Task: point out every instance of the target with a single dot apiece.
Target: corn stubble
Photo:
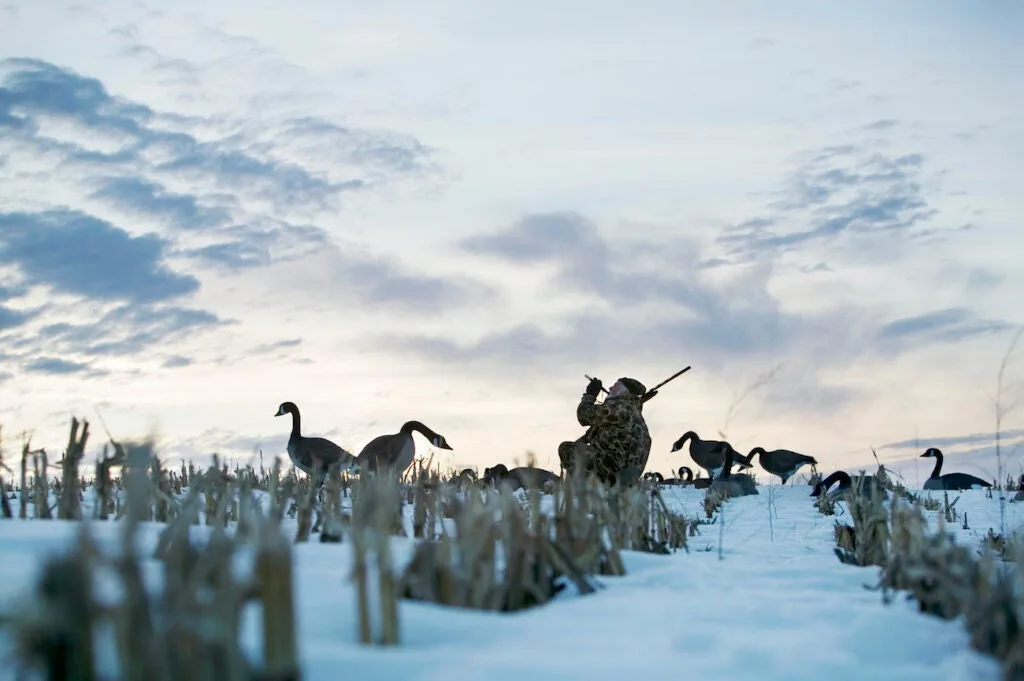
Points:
(946, 580)
(191, 628)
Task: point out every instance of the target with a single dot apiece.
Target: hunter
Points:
(617, 444)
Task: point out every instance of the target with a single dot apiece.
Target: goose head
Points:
(931, 453)
(439, 442)
(495, 473)
(678, 444)
(286, 408)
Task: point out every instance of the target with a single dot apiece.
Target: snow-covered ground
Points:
(776, 605)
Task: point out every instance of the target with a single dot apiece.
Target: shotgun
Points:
(653, 391)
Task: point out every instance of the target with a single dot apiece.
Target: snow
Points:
(777, 604)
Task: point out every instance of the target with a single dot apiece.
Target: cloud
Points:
(955, 440)
(853, 191)
(642, 299)
(380, 282)
(260, 243)
(54, 365)
(10, 318)
(127, 330)
(72, 252)
(739, 315)
(247, 159)
(649, 298)
(947, 325)
(141, 197)
(279, 345)
(379, 151)
(176, 361)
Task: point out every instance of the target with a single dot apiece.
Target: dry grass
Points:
(945, 579)
(485, 549)
(477, 548)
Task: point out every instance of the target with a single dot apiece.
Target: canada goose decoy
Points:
(869, 487)
(312, 455)
(710, 454)
(949, 481)
(730, 484)
(782, 462)
(684, 477)
(521, 477)
(396, 451)
(702, 483)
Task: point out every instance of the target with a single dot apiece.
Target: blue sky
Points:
(450, 212)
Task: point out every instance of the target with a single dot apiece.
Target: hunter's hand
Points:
(594, 387)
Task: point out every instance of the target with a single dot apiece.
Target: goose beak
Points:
(280, 412)
(675, 447)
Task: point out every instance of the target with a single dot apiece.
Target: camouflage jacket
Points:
(617, 431)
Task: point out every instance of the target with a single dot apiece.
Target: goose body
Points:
(949, 481)
(782, 462)
(396, 451)
(730, 484)
(521, 477)
(312, 455)
(869, 488)
(710, 454)
(702, 483)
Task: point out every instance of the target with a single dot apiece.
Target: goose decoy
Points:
(869, 488)
(521, 477)
(312, 455)
(396, 451)
(782, 462)
(949, 481)
(702, 483)
(710, 454)
(684, 477)
(730, 484)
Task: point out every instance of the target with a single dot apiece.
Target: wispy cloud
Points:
(176, 361)
(943, 326)
(55, 365)
(127, 330)
(955, 440)
(136, 195)
(652, 298)
(840, 192)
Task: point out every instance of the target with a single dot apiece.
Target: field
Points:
(655, 583)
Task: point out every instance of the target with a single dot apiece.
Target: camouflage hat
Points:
(634, 386)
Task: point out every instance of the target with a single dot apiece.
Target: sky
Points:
(453, 211)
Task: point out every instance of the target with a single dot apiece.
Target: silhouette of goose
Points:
(949, 481)
(710, 454)
(869, 488)
(312, 455)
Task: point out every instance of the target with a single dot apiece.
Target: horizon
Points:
(451, 213)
